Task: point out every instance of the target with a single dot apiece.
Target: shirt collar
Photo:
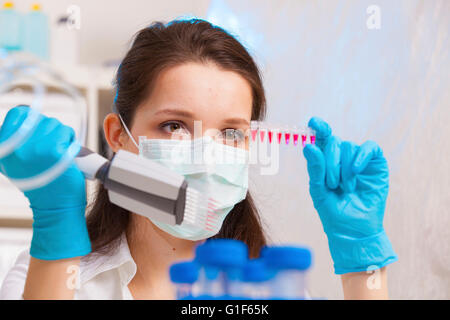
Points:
(120, 259)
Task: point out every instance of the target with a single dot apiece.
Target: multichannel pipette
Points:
(284, 134)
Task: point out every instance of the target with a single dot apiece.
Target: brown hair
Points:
(155, 48)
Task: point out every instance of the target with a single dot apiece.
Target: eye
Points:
(232, 136)
(174, 128)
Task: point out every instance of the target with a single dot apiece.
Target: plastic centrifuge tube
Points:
(289, 266)
(221, 262)
(184, 275)
(270, 133)
(304, 134)
(262, 131)
(279, 135)
(295, 134)
(312, 136)
(253, 129)
(287, 135)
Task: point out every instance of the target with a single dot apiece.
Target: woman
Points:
(172, 76)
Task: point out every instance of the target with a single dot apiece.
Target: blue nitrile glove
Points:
(349, 185)
(59, 227)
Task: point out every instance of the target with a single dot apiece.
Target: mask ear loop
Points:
(128, 131)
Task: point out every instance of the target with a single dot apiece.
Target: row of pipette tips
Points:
(259, 130)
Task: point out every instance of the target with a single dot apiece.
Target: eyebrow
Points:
(176, 112)
(237, 121)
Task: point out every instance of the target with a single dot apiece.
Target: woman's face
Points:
(220, 100)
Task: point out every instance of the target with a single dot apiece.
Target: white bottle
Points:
(36, 33)
(10, 28)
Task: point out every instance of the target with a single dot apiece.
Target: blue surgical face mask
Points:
(216, 170)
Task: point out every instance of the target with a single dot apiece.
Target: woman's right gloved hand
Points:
(59, 226)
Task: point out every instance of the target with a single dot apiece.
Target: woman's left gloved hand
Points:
(349, 186)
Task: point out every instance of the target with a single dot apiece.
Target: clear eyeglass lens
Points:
(231, 137)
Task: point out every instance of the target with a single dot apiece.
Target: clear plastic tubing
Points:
(221, 263)
(289, 265)
(256, 280)
(184, 275)
(14, 70)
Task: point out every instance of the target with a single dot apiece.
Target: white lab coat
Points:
(101, 276)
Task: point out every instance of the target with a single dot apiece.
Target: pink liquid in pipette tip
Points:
(270, 136)
(261, 134)
(279, 134)
(303, 140)
(313, 139)
(254, 134)
(295, 136)
(287, 136)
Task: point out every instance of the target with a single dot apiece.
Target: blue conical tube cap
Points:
(184, 272)
(287, 258)
(222, 253)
